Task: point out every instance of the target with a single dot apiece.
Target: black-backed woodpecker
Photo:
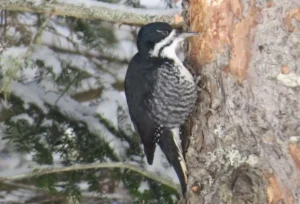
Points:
(160, 93)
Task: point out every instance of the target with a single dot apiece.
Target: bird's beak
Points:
(186, 34)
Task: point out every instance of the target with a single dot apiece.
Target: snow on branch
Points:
(96, 10)
(32, 93)
(42, 171)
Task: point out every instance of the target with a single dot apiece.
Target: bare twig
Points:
(99, 10)
(42, 171)
(88, 54)
(37, 35)
(68, 87)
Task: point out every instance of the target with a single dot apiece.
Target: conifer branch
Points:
(42, 171)
(38, 34)
(98, 10)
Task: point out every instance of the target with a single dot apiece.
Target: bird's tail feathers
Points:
(169, 143)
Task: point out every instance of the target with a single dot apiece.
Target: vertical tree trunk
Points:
(245, 143)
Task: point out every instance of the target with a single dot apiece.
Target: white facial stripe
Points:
(159, 45)
(170, 53)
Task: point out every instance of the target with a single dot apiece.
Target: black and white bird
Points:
(160, 93)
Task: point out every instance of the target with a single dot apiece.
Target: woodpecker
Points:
(160, 93)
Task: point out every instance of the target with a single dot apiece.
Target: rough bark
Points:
(245, 143)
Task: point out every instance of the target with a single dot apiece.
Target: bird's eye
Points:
(164, 32)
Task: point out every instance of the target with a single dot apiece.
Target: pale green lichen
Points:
(290, 79)
(12, 62)
(228, 156)
(218, 130)
(295, 139)
(10, 71)
(253, 160)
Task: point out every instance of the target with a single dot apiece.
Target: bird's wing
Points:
(146, 129)
(138, 87)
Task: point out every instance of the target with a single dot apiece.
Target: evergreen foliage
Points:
(72, 57)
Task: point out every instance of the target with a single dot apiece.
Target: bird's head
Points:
(160, 39)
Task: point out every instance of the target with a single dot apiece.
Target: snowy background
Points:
(62, 103)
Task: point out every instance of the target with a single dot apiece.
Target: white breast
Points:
(169, 52)
(186, 74)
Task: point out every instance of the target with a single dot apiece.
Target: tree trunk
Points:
(245, 143)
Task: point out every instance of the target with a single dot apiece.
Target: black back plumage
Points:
(139, 85)
(160, 96)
